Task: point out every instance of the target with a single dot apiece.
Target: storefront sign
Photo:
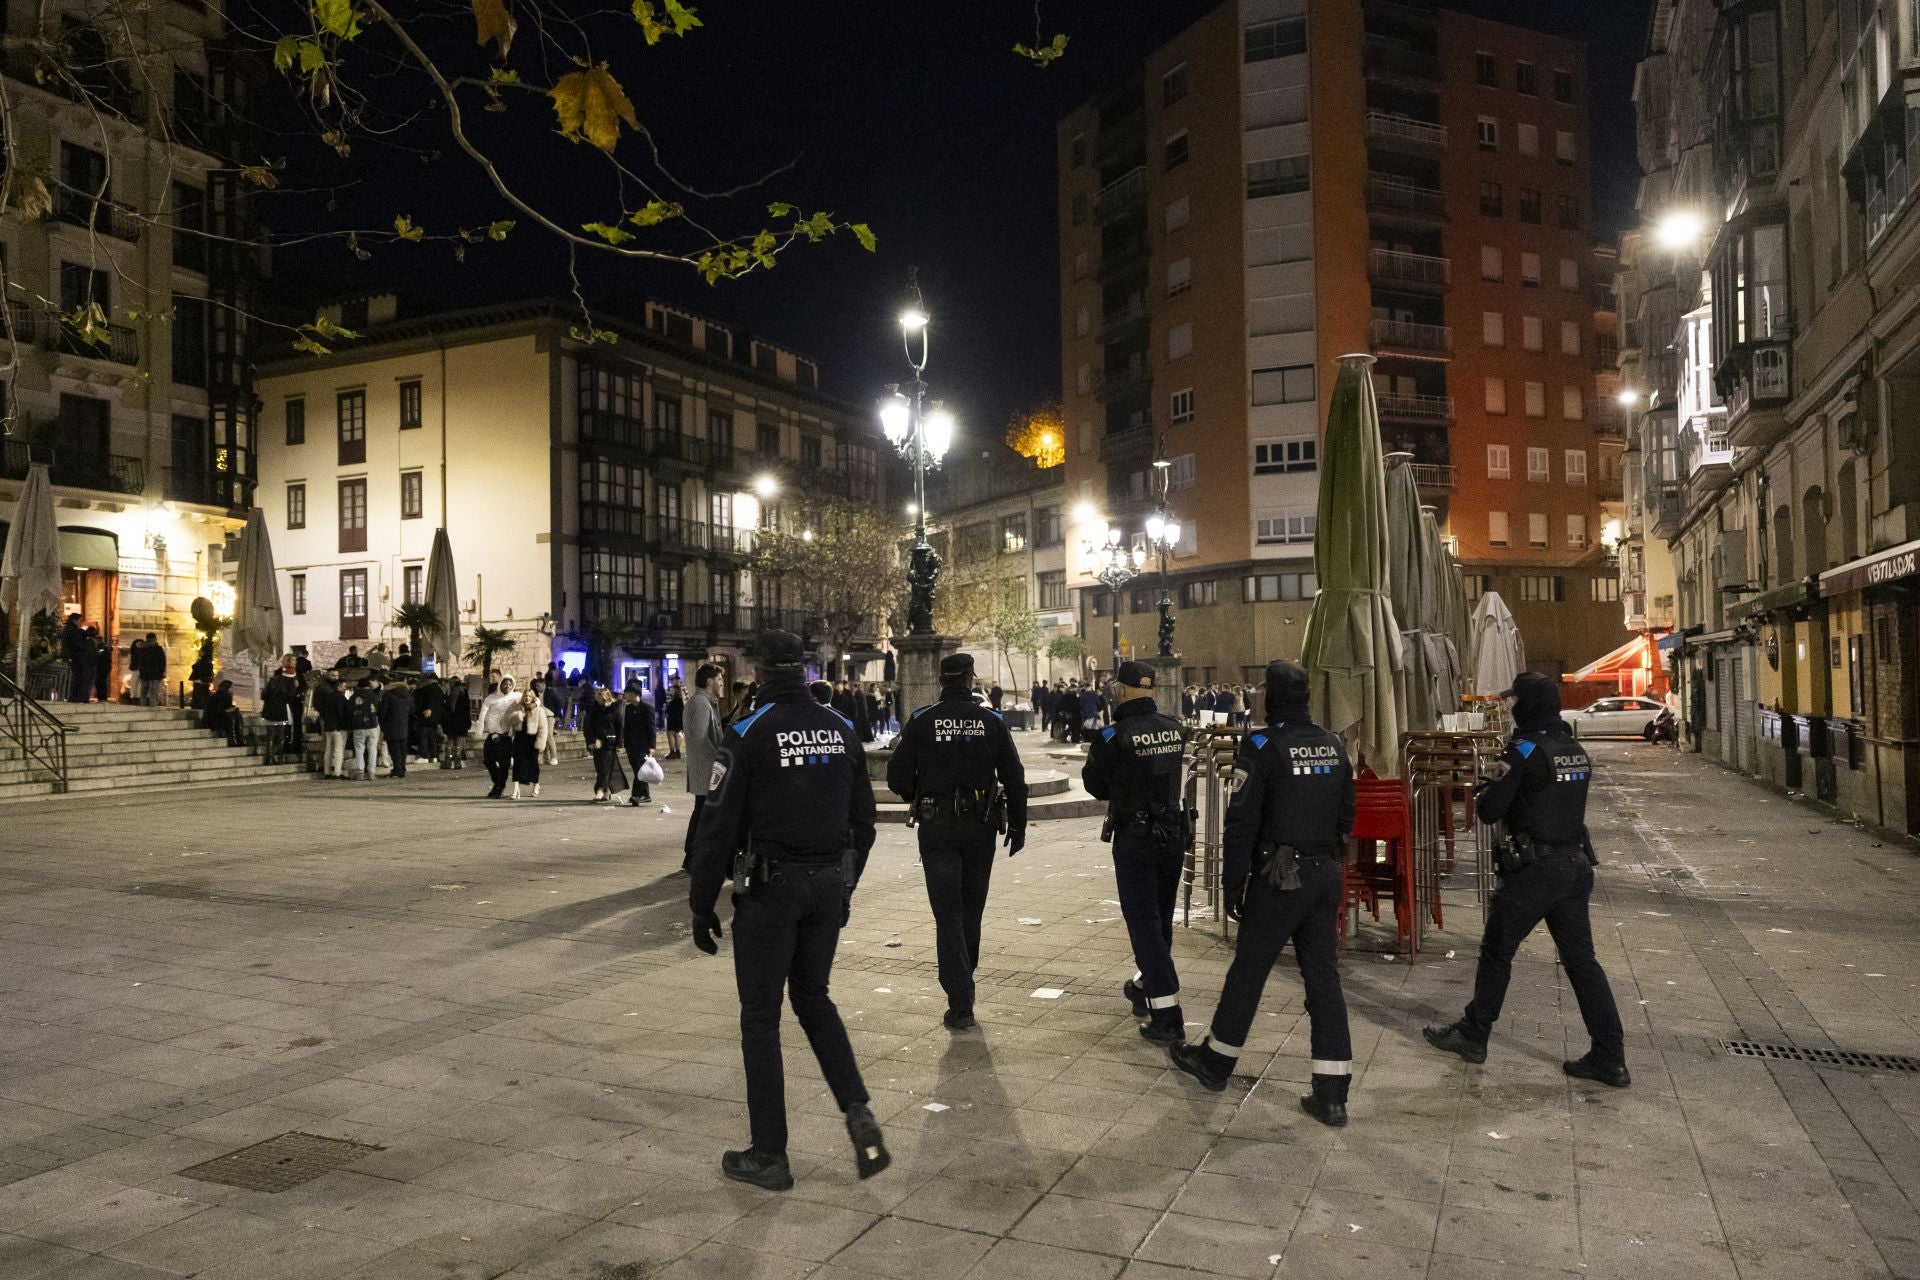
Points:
(1872, 571)
(142, 582)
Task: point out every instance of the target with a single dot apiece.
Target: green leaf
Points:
(312, 56)
(404, 228)
(864, 234)
(304, 343)
(816, 228)
(498, 230)
(779, 208)
(654, 212)
(283, 51)
(327, 328)
(763, 248)
(337, 17)
(1046, 54)
(501, 75)
(608, 232)
(260, 176)
(682, 16)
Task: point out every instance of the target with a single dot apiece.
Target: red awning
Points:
(1631, 656)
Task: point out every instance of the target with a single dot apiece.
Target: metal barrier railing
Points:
(1450, 843)
(40, 735)
(1208, 766)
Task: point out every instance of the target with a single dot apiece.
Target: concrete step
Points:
(233, 777)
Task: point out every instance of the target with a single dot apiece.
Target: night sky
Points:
(913, 117)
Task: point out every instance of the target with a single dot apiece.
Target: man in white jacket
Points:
(498, 735)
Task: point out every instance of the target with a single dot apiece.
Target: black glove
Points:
(1236, 899)
(705, 929)
(1016, 840)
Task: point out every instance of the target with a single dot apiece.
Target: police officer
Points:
(1135, 765)
(956, 765)
(1286, 827)
(1546, 865)
(791, 814)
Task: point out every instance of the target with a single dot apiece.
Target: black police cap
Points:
(778, 649)
(1136, 674)
(956, 666)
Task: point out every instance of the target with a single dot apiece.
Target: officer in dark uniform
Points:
(1135, 765)
(1286, 828)
(790, 814)
(956, 765)
(1546, 872)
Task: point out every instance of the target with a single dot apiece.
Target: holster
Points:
(749, 872)
(1279, 866)
(1106, 830)
(1513, 853)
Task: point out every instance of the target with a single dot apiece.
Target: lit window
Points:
(1496, 528)
(1537, 529)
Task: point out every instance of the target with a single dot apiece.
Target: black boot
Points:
(1211, 1069)
(958, 1020)
(1594, 1067)
(1137, 998)
(1328, 1101)
(769, 1173)
(1455, 1038)
(1165, 1027)
(869, 1149)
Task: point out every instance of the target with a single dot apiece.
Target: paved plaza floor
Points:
(502, 1001)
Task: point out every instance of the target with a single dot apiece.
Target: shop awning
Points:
(1890, 565)
(1798, 594)
(1634, 655)
(86, 549)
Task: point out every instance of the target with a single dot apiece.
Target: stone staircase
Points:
(113, 747)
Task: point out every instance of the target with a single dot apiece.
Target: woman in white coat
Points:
(531, 728)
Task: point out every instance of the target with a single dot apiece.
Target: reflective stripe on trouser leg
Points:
(1224, 1050)
(1164, 1002)
(1324, 1068)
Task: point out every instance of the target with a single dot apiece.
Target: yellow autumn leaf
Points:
(591, 104)
(493, 24)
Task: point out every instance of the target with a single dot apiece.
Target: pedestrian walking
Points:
(1546, 866)
(1286, 828)
(152, 670)
(1134, 764)
(638, 737)
(704, 735)
(675, 717)
(430, 715)
(396, 723)
(601, 728)
(956, 766)
(529, 728)
(553, 697)
(336, 726)
(363, 717)
(277, 703)
(459, 724)
(496, 737)
(790, 794)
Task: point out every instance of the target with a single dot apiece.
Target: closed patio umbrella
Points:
(30, 566)
(1406, 591)
(1497, 652)
(257, 621)
(444, 600)
(1352, 650)
(1438, 605)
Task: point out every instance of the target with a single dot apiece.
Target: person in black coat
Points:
(396, 722)
(430, 714)
(638, 736)
(78, 649)
(278, 705)
(459, 724)
(220, 716)
(601, 726)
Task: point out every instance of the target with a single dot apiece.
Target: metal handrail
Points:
(40, 735)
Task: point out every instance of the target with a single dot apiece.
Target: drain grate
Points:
(281, 1163)
(1821, 1057)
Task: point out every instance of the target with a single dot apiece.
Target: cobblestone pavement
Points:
(503, 1000)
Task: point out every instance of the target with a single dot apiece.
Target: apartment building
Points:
(1784, 479)
(577, 481)
(145, 416)
(1211, 274)
(999, 522)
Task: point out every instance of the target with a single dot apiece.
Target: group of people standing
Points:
(1069, 710)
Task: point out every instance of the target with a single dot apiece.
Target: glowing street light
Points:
(1628, 397)
(1679, 229)
(766, 485)
(1113, 565)
(1163, 535)
(923, 438)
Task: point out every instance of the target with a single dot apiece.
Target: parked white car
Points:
(1614, 718)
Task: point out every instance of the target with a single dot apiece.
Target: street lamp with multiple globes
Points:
(1163, 535)
(923, 438)
(1110, 562)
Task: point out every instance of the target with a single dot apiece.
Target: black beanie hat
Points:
(956, 668)
(1287, 687)
(1536, 701)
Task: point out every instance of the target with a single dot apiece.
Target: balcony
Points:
(1401, 196)
(16, 456)
(1128, 256)
(1406, 337)
(80, 209)
(1125, 194)
(677, 446)
(1115, 384)
(1431, 477)
(1429, 409)
(1123, 321)
(1132, 440)
(1609, 421)
(673, 533)
(726, 541)
(1396, 60)
(1408, 270)
(1384, 126)
(1667, 504)
(114, 473)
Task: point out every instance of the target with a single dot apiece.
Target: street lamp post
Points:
(1163, 535)
(922, 436)
(1113, 565)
